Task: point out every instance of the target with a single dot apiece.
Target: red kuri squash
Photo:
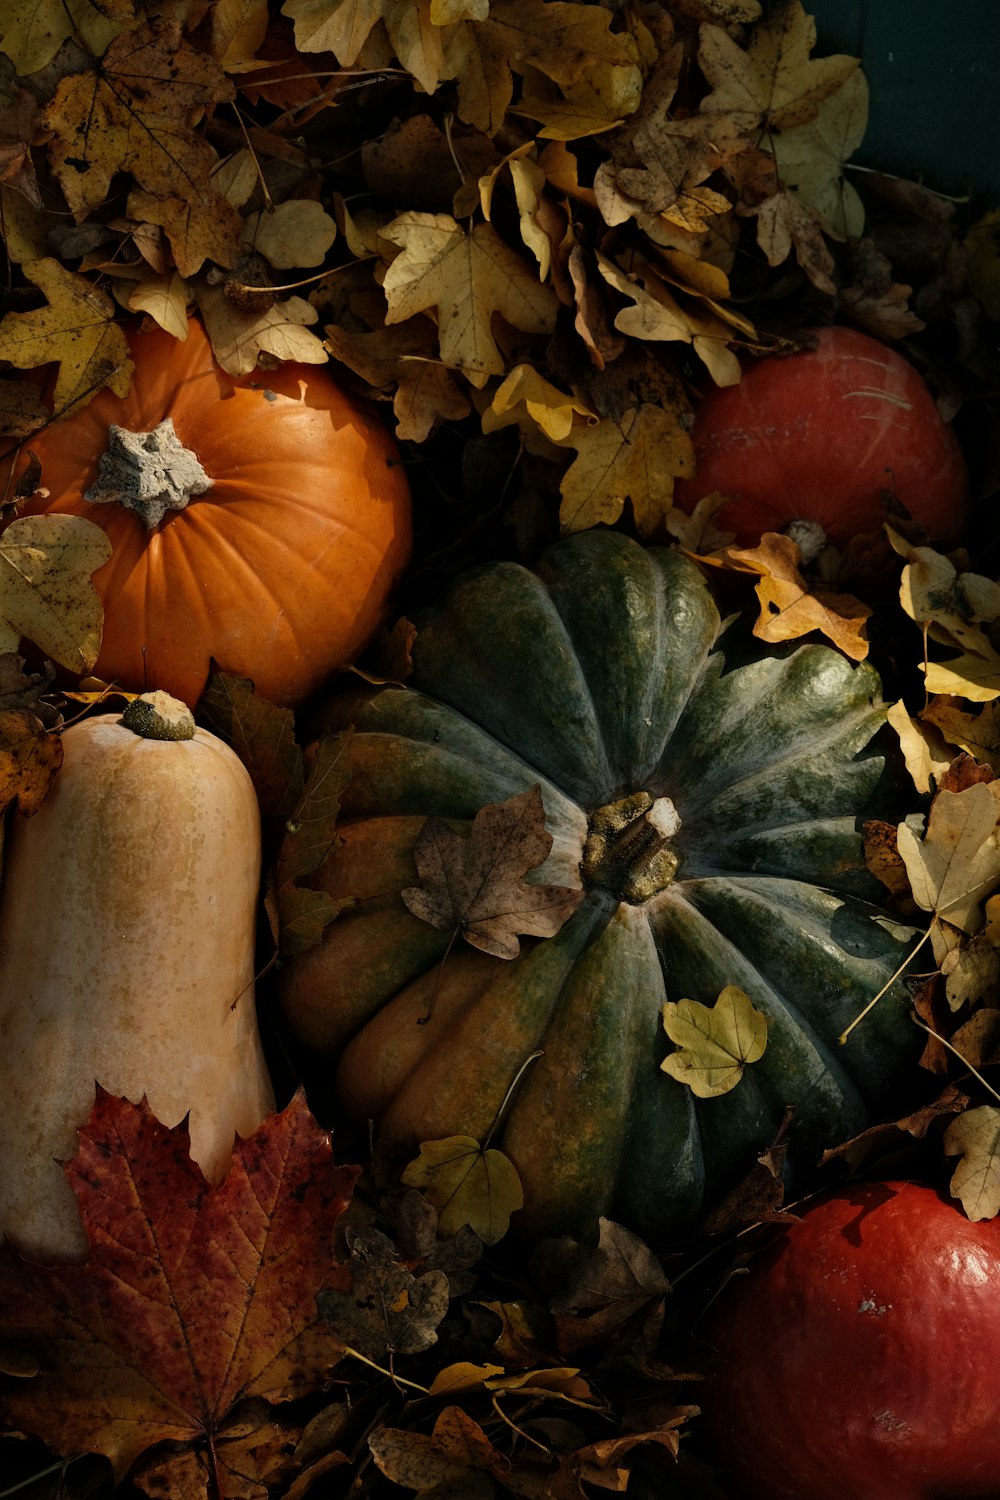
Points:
(861, 1354)
(828, 435)
(271, 545)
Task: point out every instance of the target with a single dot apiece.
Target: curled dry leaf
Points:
(789, 609)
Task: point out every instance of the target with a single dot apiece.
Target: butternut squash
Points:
(127, 957)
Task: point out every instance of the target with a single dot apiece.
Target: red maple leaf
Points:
(193, 1298)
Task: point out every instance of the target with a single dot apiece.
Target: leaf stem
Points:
(887, 986)
(390, 1374)
(961, 1057)
(504, 1103)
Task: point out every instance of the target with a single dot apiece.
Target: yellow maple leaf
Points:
(467, 1184)
(601, 99)
(338, 26)
(238, 339)
(954, 608)
(46, 596)
(811, 157)
(957, 861)
(784, 224)
(74, 328)
(714, 1042)
(236, 32)
(774, 81)
(198, 229)
(135, 112)
(562, 41)
(165, 299)
(975, 1137)
(544, 405)
(34, 32)
(467, 277)
(403, 359)
(978, 734)
(656, 315)
(636, 458)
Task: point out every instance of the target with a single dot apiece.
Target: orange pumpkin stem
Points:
(148, 473)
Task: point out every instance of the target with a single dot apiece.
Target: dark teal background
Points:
(934, 71)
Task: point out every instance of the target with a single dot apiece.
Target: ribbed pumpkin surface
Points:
(600, 675)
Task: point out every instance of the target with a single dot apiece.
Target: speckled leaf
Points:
(193, 1298)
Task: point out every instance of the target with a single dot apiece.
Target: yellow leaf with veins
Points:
(975, 1137)
(774, 80)
(467, 1184)
(76, 329)
(467, 278)
(635, 458)
(957, 862)
(714, 1042)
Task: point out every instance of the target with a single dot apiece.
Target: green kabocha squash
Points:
(602, 675)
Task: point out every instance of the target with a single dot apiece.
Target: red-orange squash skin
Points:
(281, 571)
(861, 1355)
(827, 435)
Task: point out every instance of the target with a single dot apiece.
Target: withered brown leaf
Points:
(476, 883)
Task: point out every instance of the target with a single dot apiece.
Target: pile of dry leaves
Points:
(537, 231)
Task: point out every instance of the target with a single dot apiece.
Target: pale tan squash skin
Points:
(126, 956)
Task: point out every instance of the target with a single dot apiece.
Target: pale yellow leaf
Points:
(957, 862)
(338, 26)
(978, 734)
(297, 232)
(774, 80)
(238, 339)
(975, 1137)
(416, 40)
(970, 971)
(238, 29)
(975, 677)
(467, 278)
(924, 751)
(598, 101)
(714, 1042)
(547, 407)
(46, 594)
(236, 177)
(165, 299)
(811, 157)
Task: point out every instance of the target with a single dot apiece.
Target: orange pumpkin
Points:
(277, 562)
